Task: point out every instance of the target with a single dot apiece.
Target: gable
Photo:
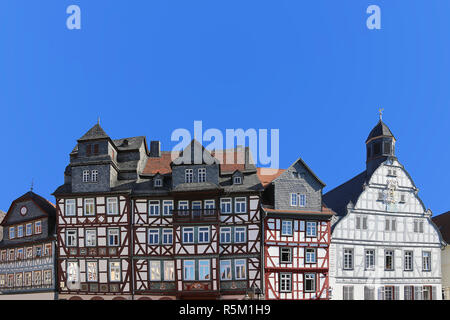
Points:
(23, 211)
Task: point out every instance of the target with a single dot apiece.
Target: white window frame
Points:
(426, 261)
(348, 259)
(118, 271)
(155, 270)
(204, 265)
(91, 267)
(188, 176)
(369, 259)
(30, 225)
(167, 232)
(90, 241)
(201, 175)
(226, 203)
(12, 232)
(73, 271)
(94, 175)
(155, 235)
(285, 282)
(289, 251)
(225, 265)
(237, 180)
(310, 255)
(70, 208)
(311, 229)
(167, 207)
(112, 206)
(240, 205)
(86, 175)
(240, 264)
(225, 232)
(188, 230)
(89, 203)
(238, 232)
(204, 231)
(189, 265)
(157, 183)
(302, 200)
(154, 208)
(291, 228)
(72, 233)
(38, 227)
(115, 233)
(294, 200)
(386, 255)
(310, 277)
(169, 269)
(408, 260)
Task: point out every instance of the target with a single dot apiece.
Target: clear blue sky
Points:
(309, 68)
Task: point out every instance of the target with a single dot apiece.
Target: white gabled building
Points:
(384, 245)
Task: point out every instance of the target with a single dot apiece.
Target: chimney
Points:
(155, 149)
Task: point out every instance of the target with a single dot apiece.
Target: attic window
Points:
(295, 174)
(237, 180)
(158, 182)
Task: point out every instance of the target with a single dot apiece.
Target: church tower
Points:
(380, 145)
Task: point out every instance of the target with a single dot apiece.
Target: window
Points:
(188, 235)
(113, 237)
(47, 249)
(285, 282)
(237, 180)
(188, 176)
(169, 271)
(348, 259)
(19, 279)
(389, 293)
(72, 271)
(311, 229)
(71, 238)
(86, 175)
(19, 254)
(389, 260)
(189, 270)
(240, 269)
(286, 227)
(70, 207)
(203, 234)
(167, 207)
(20, 231)
(408, 260)
(167, 236)
(91, 237)
(38, 251)
(225, 205)
(95, 148)
(370, 259)
(158, 182)
(302, 200)
(310, 255)
(204, 270)
(153, 236)
(294, 199)
(112, 206)
(196, 207)
(409, 293)
(183, 205)
(210, 207)
(12, 232)
(11, 255)
(225, 269)
(369, 293)
(295, 174)
(94, 175)
(37, 278)
(30, 253)
(240, 205)
(418, 226)
(348, 292)
(426, 261)
(38, 227)
(89, 207)
(92, 271)
(114, 271)
(155, 270)
(310, 282)
(285, 255)
(364, 219)
(358, 222)
(153, 207)
(427, 293)
(402, 198)
(88, 150)
(202, 175)
(225, 235)
(48, 277)
(240, 234)
(28, 229)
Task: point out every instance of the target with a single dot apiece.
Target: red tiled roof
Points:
(161, 164)
(267, 175)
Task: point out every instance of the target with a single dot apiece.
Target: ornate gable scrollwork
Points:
(391, 195)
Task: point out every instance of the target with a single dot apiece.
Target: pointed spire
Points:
(96, 132)
(32, 184)
(380, 112)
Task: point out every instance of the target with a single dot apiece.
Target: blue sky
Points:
(308, 68)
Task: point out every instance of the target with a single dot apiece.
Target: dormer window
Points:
(158, 182)
(202, 175)
(188, 176)
(295, 174)
(237, 180)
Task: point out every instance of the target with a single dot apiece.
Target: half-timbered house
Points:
(94, 216)
(384, 245)
(196, 225)
(27, 250)
(296, 228)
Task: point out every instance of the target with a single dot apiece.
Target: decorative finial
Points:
(380, 111)
(98, 120)
(32, 182)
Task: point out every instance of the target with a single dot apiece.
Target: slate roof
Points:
(338, 198)
(96, 132)
(442, 221)
(381, 129)
(131, 143)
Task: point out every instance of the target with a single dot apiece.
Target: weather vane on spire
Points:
(98, 120)
(31, 188)
(380, 111)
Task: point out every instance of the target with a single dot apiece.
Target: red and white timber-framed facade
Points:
(94, 217)
(296, 234)
(196, 226)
